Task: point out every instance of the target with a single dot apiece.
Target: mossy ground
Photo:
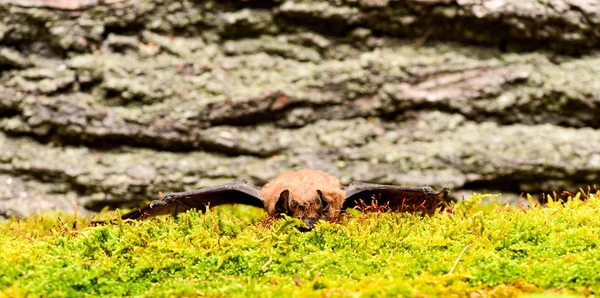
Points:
(477, 250)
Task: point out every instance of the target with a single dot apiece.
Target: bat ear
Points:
(283, 203)
(324, 203)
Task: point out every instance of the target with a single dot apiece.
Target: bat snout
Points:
(310, 224)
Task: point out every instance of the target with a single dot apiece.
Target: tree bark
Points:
(113, 102)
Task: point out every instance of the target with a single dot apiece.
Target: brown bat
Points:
(309, 195)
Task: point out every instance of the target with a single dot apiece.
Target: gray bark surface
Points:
(110, 103)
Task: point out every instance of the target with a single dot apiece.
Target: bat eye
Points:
(324, 204)
(283, 203)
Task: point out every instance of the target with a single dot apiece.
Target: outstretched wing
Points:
(234, 192)
(367, 196)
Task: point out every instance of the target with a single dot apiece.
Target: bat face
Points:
(307, 208)
(306, 194)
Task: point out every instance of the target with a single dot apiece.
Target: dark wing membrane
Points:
(234, 192)
(373, 197)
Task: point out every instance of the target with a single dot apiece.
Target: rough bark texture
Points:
(112, 102)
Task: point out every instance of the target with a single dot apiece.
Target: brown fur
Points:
(304, 200)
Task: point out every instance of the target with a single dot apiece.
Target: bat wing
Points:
(234, 192)
(369, 196)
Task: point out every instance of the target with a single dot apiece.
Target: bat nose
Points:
(310, 224)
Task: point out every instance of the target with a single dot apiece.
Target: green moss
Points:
(235, 251)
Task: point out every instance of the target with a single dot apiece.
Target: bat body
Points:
(309, 195)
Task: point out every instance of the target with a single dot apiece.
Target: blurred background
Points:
(113, 102)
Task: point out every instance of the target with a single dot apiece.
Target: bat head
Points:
(309, 208)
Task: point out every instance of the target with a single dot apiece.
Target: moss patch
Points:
(475, 251)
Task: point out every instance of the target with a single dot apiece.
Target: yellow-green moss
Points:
(477, 250)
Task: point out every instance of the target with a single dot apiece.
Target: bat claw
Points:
(443, 193)
(162, 202)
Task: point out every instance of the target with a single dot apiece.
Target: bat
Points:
(309, 195)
